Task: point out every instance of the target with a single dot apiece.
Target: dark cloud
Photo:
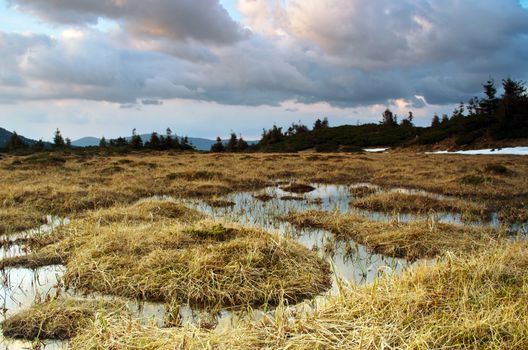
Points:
(204, 20)
(344, 52)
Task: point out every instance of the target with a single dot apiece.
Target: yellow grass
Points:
(476, 302)
(57, 319)
(420, 204)
(84, 183)
(412, 240)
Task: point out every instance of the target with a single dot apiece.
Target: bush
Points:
(473, 180)
(498, 169)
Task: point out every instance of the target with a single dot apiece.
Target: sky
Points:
(208, 67)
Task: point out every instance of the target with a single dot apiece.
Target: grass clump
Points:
(206, 265)
(263, 197)
(463, 302)
(45, 159)
(473, 180)
(416, 203)
(146, 211)
(13, 220)
(298, 188)
(219, 203)
(362, 191)
(412, 240)
(216, 232)
(58, 319)
(497, 169)
(194, 175)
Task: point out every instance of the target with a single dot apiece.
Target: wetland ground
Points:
(240, 251)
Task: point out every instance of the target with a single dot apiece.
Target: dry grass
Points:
(298, 188)
(58, 319)
(122, 252)
(13, 220)
(477, 302)
(412, 240)
(420, 204)
(145, 211)
(76, 184)
(362, 191)
(206, 265)
(263, 197)
(219, 203)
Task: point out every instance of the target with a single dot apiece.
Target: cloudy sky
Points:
(205, 67)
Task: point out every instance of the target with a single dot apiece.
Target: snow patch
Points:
(518, 151)
(375, 150)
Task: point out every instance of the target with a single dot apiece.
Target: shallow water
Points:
(351, 262)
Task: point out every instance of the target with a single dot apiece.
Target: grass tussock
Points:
(206, 264)
(420, 204)
(58, 319)
(219, 203)
(13, 220)
(298, 188)
(476, 302)
(362, 191)
(146, 211)
(263, 197)
(412, 240)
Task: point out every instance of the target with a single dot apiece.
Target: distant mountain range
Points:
(5, 135)
(201, 144)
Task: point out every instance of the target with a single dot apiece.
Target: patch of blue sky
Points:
(232, 9)
(12, 20)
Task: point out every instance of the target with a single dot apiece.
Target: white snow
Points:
(375, 150)
(520, 151)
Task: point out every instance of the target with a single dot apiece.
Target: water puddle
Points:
(351, 262)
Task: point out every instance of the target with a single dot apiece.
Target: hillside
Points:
(5, 135)
(346, 137)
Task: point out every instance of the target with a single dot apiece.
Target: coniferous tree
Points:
(58, 140)
(168, 140)
(242, 145)
(388, 118)
(318, 125)
(435, 123)
(232, 144)
(38, 146)
(489, 104)
(445, 120)
(68, 142)
(274, 135)
(103, 143)
(15, 142)
(135, 141)
(407, 122)
(218, 146)
(154, 142)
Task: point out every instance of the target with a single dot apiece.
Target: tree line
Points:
(135, 142)
(494, 116)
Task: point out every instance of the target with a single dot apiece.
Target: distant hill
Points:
(5, 135)
(345, 137)
(201, 144)
(86, 142)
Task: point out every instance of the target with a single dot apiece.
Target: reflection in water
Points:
(351, 262)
